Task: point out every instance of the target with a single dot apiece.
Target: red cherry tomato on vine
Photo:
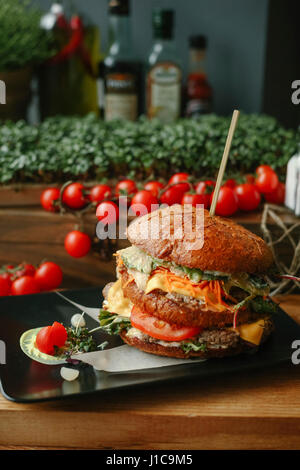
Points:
(205, 188)
(227, 203)
(107, 212)
(231, 183)
(48, 275)
(154, 187)
(26, 269)
(125, 188)
(248, 196)
(174, 194)
(266, 181)
(262, 168)
(277, 196)
(100, 192)
(25, 285)
(181, 178)
(74, 197)
(77, 243)
(5, 285)
(48, 199)
(142, 203)
(194, 199)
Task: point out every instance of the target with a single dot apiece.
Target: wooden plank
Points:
(257, 410)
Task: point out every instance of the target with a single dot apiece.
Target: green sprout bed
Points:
(63, 148)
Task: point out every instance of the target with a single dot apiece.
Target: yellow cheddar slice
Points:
(116, 302)
(159, 281)
(252, 332)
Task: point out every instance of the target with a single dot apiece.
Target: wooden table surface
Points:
(257, 410)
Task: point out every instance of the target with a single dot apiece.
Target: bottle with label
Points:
(122, 72)
(199, 91)
(164, 77)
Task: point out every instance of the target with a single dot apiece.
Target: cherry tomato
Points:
(277, 196)
(48, 275)
(262, 168)
(227, 203)
(248, 196)
(267, 181)
(77, 243)
(59, 334)
(44, 341)
(50, 336)
(194, 199)
(73, 196)
(25, 269)
(174, 194)
(160, 329)
(5, 285)
(154, 187)
(100, 192)
(25, 285)
(231, 183)
(107, 212)
(250, 178)
(48, 199)
(180, 178)
(205, 188)
(126, 188)
(143, 202)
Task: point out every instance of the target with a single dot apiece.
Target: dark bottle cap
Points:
(163, 22)
(198, 42)
(119, 7)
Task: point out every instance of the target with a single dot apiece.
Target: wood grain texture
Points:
(257, 410)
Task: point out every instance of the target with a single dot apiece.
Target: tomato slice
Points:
(160, 329)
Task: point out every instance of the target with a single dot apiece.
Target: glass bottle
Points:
(164, 77)
(122, 71)
(199, 91)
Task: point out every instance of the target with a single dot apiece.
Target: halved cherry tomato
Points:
(154, 187)
(248, 196)
(143, 202)
(59, 334)
(50, 336)
(277, 196)
(44, 341)
(160, 329)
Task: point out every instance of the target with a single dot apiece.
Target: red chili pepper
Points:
(74, 43)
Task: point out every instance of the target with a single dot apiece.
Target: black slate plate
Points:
(24, 380)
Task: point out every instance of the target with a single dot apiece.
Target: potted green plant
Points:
(23, 44)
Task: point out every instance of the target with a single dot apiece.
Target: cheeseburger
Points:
(192, 285)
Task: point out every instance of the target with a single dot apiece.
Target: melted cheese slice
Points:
(116, 302)
(159, 281)
(252, 332)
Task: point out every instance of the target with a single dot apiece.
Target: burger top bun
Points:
(190, 237)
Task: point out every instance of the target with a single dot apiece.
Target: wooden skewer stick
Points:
(232, 127)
